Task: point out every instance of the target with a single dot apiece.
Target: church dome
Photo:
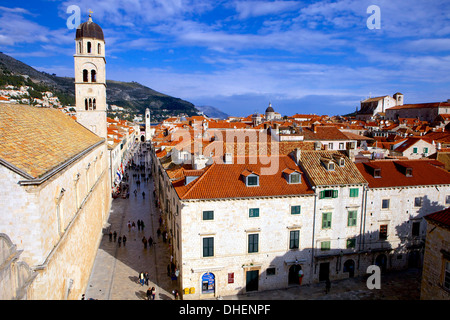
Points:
(89, 29)
(269, 109)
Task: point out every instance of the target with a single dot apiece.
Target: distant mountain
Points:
(212, 112)
(133, 96)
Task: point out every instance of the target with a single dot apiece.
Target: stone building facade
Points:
(436, 266)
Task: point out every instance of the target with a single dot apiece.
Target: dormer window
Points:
(251, 179)
(294, 178)
(409, 172)
(377, 173)
(330, 166)
(341, 162)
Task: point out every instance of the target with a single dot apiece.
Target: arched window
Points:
(99, 49)
(79, 47)
(93, 76)
(85, 104)
(85, 75)
(94, 104)
(89, 47)
(90, 104)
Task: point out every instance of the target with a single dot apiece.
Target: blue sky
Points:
(303, 56)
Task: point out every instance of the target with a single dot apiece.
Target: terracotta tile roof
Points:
(324, 133)
(393, 175)
(311, 163)
(225, 181)
(37, 140)
(441, 218)
(409, 142)
(421, 105)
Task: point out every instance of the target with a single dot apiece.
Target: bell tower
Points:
(147, 125)
(90, 77)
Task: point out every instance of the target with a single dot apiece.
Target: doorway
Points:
(252, 280)
(381, 261)
(349, 266)
(324, 271)
(293, 277)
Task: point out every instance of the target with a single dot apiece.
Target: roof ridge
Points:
(198, 180)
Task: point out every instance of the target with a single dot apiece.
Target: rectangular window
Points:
(208, 215)
(326, 220)
(383, 232)
(351, 221)
(446, 283)
(208, 247)
(425, 150)
(351, 243)
(414, 150)
(270, 271)
(341, 146)
(385, 204)
(354, 192)
(415, 230)
(253, 212)
(296, 209)
(418, 201)
(252, 181)
(325, 245)
(294, 239)
(330, 146)
(327, 194)
(253, 240)
(294, 178)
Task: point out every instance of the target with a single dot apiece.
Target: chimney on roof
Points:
(228, 158)
(199, 161)
(298, 155)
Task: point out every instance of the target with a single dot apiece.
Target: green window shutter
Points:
(253, 243)
(253, 212)
(351, 243)
(208, 215)
(335, 193)
(351, 218)
(325, 245)
(354, 192)
(326, 220)
(208, 247)
(296, 209)
(322, 195)
(294, 239)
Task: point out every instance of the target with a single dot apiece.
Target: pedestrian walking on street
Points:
(110, 236)
(149, 293)
(124, 240)
(142, 225)
(139, 224)
(115, 236)
(129, 225)
(120, 240)
(146, 277)
(150, 241)
(158, 232)
(141, 278)
(153, 293)
(143, 194)
(144, 241)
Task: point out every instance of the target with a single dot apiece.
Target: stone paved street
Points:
(116, 268)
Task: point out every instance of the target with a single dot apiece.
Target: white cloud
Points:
(249, 9)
